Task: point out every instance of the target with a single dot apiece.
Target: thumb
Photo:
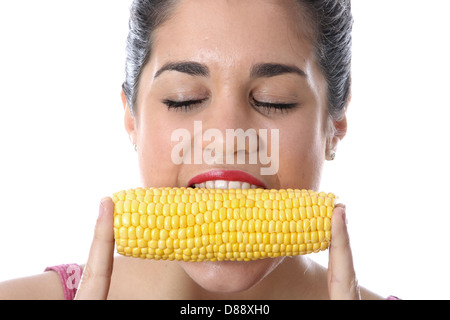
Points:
(96, 277)
(342, 282)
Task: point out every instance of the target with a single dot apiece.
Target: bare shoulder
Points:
(44, 286)
(369, 295)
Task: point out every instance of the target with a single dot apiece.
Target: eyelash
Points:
(190, 104)
(277, 107)
(182, 105)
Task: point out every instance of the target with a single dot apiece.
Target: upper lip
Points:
(228, 175)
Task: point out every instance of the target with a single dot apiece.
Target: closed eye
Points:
(269, 106)
(186, 105)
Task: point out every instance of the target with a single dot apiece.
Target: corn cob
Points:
(218, 224)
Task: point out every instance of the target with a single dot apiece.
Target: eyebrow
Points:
(189, 67)
(261, 70)
(267, 70)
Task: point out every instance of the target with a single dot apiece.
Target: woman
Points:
(279, 65)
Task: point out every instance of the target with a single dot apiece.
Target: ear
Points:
(129, 120)
(338, 131)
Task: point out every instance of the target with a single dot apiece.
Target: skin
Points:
(228, 38)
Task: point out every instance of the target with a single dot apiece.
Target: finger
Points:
(96, 276)
(342, 282)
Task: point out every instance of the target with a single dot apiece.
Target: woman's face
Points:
(231, 65)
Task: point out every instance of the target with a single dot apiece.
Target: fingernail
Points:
(101, 210)
(344, 216)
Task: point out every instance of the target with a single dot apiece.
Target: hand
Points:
(96, 276)
(342, 282)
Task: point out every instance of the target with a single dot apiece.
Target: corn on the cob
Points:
(214, 224)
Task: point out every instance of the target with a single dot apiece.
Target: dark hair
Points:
(145, 17)
(332, 23)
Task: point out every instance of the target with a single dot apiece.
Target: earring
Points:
(331, 155)
(135, 147)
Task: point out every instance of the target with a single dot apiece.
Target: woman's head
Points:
(275, 65)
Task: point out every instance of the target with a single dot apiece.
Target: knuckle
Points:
(354, 288)
(86, 275)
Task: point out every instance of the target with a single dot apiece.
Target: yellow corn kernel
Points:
(207, 224)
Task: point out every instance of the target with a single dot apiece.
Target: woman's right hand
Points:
(96, 277)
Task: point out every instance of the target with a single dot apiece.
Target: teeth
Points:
(223, 184)
(234, 185)
(220, 184)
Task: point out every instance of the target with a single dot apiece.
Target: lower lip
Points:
(228, 175)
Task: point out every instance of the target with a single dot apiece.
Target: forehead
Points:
(234, 31)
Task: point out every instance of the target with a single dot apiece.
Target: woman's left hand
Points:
(342, 282)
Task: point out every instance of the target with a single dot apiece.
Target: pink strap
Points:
(70, 276)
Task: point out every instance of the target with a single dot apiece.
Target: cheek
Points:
(154, 153)
(302, 149)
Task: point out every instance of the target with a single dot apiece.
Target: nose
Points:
(229, 126)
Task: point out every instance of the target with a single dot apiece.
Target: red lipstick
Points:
(228, 175)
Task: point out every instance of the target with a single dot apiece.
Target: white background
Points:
(63, 146)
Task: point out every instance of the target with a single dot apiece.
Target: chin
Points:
(230, 276)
